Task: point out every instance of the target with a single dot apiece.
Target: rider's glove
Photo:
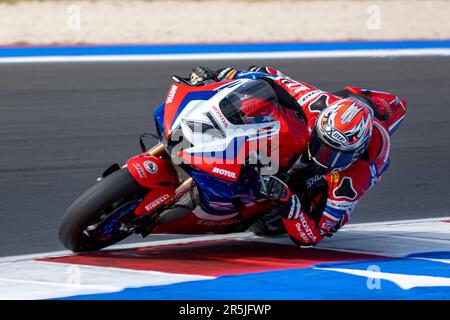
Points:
(329, 228)
(226, 74)
(287, 203)
(275, 189)
(202, 74)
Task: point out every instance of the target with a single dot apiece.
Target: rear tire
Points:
(91, 206)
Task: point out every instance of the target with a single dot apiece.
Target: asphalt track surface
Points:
(61, 124)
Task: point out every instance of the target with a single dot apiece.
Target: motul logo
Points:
(224, 172)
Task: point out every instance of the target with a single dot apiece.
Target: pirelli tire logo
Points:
(223, 172)
(156, 203)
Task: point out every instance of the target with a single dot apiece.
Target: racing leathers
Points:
(316, 203)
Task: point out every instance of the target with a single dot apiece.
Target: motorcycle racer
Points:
(347, 153)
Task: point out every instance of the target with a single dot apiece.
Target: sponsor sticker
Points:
(157, 202)
(301, 233)
(221, 116)
(328, 222)
(150, 166)
(313, 180)
(308, 97)
(171, 94)
(183, 191)
(216, 223)
(336, 135)
(294, 85)
(305, 227)
(140, 171)
(224, 172)
(334, 177)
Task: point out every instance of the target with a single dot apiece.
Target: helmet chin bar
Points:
(330, 160)
(329, 169)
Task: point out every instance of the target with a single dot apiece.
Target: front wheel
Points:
(94, 220)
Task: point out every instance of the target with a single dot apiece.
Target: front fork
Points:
(157, 150)
(151, 170)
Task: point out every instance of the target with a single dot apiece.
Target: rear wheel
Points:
(97, 218)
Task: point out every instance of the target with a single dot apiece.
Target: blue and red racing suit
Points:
(328, 199)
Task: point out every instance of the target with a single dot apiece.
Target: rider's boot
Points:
(269, 223)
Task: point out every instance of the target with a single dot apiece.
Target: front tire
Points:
(97, 206)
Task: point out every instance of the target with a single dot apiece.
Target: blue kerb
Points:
(217, 48)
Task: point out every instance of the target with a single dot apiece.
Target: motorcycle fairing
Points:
(156, 174)
(390, 107)
(158, 115)
(221, 198)
(221, 148)
(225, 158)
(181, 96)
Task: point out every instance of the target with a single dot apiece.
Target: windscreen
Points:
(253, 102)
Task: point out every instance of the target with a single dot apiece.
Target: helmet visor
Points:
(326, 156)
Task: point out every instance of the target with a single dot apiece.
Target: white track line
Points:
(44, 280)
(62, 284)
(240, 236)
(447, 261)
(376, 53)
(407, 221)
(404, 281)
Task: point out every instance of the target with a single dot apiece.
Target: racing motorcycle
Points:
(217, 142)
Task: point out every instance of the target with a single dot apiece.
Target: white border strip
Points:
(368, 224)
(377, 53)
(187, 240)
(240, 236)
